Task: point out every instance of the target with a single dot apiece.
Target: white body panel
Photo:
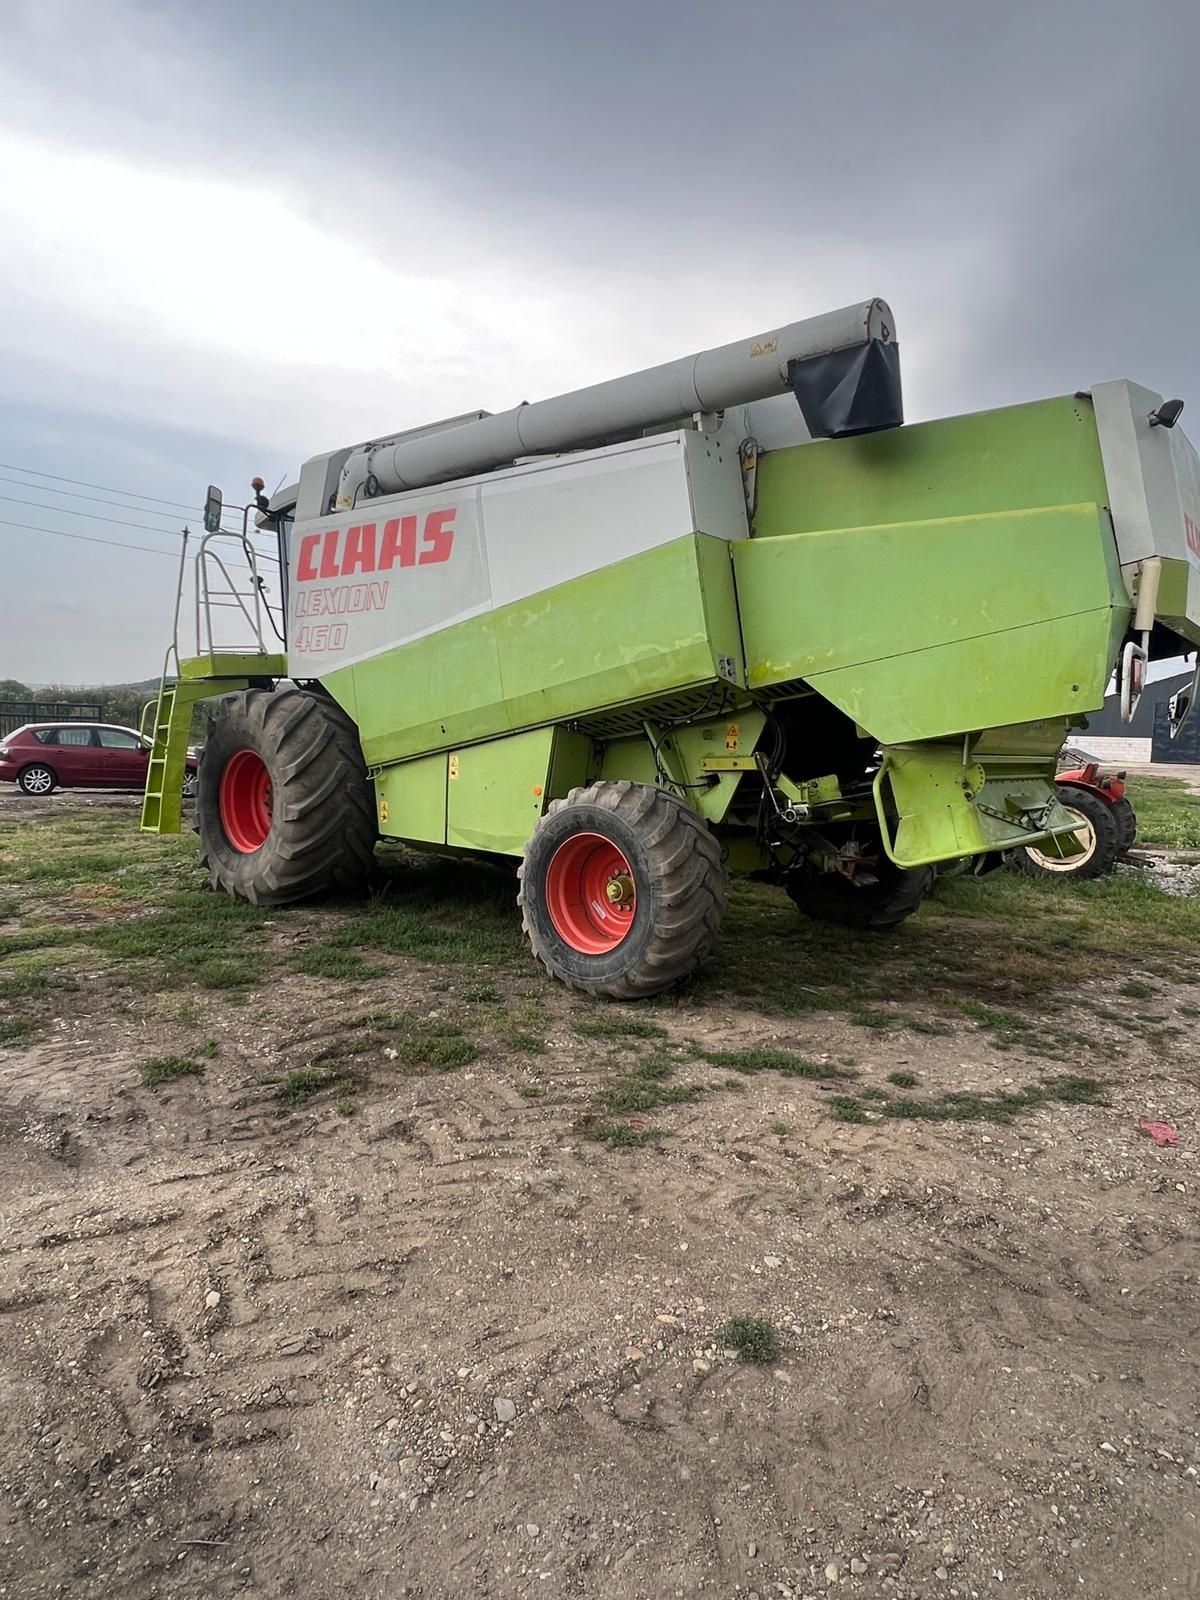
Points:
(1153, 478)
(437, 556)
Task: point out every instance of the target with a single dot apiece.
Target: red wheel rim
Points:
(590, 894)
(244, 799)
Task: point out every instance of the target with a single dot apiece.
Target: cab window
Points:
(119, 739)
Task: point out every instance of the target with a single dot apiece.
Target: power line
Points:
(132, 494)
(90, 498)
(65, 511)
(84, 538)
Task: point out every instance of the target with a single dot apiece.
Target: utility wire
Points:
(93, 500)
(66, 511)
(132, 494)
(84, 538)
(90, 498)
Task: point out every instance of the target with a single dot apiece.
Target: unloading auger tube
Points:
(842, 366)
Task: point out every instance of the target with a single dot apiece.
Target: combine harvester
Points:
(724, 615)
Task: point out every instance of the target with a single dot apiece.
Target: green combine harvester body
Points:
(836, 661)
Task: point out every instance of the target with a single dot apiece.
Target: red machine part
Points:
(1109, 787)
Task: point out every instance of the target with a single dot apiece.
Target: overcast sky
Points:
(235, 234)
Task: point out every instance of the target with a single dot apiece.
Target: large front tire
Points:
(622, 890)
(284, 808)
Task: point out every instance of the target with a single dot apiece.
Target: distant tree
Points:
(11, 689)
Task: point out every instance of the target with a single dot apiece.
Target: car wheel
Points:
(190, 785)
(38, 780)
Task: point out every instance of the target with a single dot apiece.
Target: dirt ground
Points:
(451, 1345)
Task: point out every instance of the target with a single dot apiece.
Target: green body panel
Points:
(646, 627)
(1024, 457)
(485, 797)
(224, 665)
(922, 629)
(410, 800)
(936, 803)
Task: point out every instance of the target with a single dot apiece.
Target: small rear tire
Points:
(1125, 818)
(622, 890)
(870, 907)
(1096, 830)
(38, 780)
(284, 807)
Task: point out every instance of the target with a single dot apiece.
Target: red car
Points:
(44, 756)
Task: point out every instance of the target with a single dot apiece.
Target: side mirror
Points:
(213, 506)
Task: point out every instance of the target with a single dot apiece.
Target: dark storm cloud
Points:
(592, 188)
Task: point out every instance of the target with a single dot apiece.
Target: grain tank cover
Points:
(843, 367)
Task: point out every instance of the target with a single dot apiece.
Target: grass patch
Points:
(15, 1033)
(646, 1085)
(300, 1086)
(782, 1061)
(528, 1091)
(872, 1019)
(751, 1339)
(339, 965)
(437, 1052)
(903, 1080)
(165, 1069)
(423, 1043)
(968, 1105)
(10, 907)
(1003, 942)
(191, 936)
(477, 994)
(1135, 989)
(521, 1029)
(619, 1135)
(780, 1129)
(210, 1050)
(438, 910)
(616, 1025)
(1167, 814)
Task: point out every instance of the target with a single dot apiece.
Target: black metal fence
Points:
(15, 714)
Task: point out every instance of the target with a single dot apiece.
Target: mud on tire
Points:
(284, 809)
(665, 866)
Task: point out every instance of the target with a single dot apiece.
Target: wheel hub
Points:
(591, 894)
(1048, 858)
(244, 800)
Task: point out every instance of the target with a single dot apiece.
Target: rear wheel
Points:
(284, 808)
(1096, 830)
(890, 899)
(621, 890)
(38, 779)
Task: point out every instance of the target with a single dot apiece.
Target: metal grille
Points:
(625, 720)
(15, 714)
